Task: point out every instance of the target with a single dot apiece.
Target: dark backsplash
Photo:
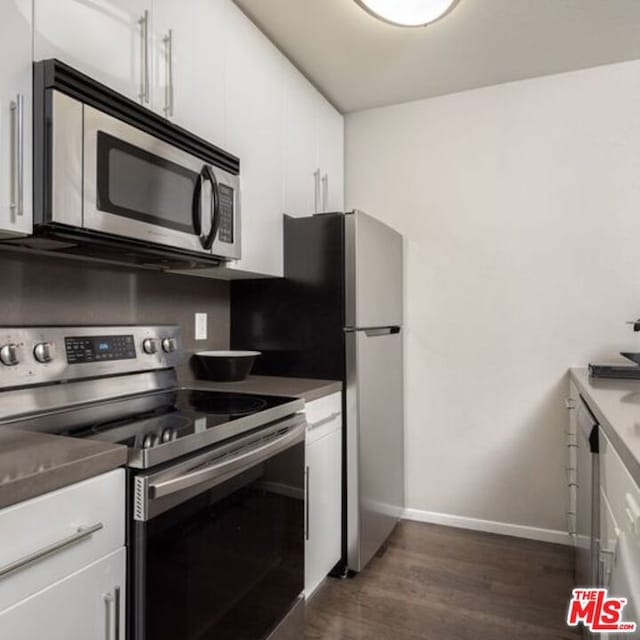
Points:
(43, 290)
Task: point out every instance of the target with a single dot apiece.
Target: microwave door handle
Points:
(209, 174)
(196, 207)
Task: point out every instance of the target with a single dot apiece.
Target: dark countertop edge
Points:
(38, 484)
(626, 455)
(254, 384)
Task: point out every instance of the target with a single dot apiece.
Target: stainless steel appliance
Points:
(114, 178)
(338, 315)
(216, 485)
(587, 498)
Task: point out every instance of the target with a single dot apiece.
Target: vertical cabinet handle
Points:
(325, 192)
(306, 504)
(144, 57)
(117, 613)
(168, 91)
(17, 196)
(112, 615)
(316, 191)
(108, 618)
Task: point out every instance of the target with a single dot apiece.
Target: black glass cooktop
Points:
(182, 413)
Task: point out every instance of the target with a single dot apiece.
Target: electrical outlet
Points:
(201, 326)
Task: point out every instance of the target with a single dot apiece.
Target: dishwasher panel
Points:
(588, 498)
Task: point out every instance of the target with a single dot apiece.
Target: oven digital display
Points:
(99, 348)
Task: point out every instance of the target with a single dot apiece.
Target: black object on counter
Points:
(623, 372)
(225, 366)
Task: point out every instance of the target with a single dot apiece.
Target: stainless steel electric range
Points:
(216, 485)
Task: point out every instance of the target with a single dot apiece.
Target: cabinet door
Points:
(102, 39)
(254, 90)
(323, 547)
(189, 54)
(330, 139)
(15, 118)
(301, 187)
(83, 606)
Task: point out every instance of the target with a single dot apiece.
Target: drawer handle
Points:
(80, 534)
(327, 420)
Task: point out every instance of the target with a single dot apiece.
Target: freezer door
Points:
(375, 441)
(373, 279)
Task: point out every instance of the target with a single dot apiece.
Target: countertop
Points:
(306, 388)
(35, 463)
(616, 405)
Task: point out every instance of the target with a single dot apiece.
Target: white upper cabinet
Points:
(209, 69)
(301, 170)
(314, 150)
(254, 88)
(109, 40)
(330, 142)
(15, 118)
(189, 73)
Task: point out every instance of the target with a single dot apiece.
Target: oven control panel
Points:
(34, 355)
(99, 348)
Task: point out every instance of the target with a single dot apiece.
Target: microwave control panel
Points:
(225, 230)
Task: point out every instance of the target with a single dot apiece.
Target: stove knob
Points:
(149, 346)
(168, 344)
(43, 352)
(9, 355)
(147, 441)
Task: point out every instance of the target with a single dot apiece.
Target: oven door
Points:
(140, 187)
(217, 543)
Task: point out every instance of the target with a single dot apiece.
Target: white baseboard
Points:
(489, 526)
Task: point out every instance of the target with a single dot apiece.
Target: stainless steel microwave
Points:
(119, 177)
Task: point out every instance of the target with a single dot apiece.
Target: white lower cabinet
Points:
(63, 563)
(87, 605)
(324, 490)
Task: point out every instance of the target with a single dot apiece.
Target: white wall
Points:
(520, 205)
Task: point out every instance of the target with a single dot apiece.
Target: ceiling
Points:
(359, 62)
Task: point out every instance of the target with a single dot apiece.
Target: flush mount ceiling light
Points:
(407, 13)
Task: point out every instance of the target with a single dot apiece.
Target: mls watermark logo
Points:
(598, 612)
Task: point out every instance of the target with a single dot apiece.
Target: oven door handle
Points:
(228, 466)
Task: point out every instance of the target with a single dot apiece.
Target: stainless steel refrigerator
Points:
(337, 314)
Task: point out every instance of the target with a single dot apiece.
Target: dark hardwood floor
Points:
(439, 583)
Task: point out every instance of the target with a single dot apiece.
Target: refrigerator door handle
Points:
(374, 332)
